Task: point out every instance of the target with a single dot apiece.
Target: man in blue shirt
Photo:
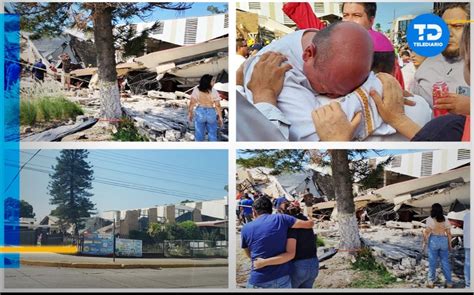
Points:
(246, 208)
(265, 237)
(39, 70)
(278, 201)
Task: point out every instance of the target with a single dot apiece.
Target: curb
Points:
(116, 266)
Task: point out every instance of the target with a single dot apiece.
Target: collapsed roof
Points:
(444, 188)
(79, 50)
(284, 184)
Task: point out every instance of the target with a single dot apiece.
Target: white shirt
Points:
(196, 93)
(408, 73)
(437, 69)
(240, 60)
(467, 230)
(297, 99)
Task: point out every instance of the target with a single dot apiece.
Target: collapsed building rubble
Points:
(391, 219)
(154, 92)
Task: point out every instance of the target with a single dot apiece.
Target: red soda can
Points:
(440, 90)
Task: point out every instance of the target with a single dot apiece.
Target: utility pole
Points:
(113, 237)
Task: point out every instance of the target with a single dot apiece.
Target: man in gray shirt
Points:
(447, 66)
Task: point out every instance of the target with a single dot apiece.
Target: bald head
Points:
(339, 59)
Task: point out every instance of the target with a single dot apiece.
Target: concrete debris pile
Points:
(160, 116)
(398, 246)
(158, 119)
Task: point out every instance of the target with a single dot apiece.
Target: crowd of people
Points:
(280, 241)
(295, 87)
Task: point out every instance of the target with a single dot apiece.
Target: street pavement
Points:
(27, 277)
(63, 260)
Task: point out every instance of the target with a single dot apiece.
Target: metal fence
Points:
(188, 248)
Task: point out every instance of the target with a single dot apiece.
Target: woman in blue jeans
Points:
(301, 247)
(437, 236)
(207, 115)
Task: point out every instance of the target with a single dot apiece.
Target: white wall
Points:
(442, 160)
(213, 208)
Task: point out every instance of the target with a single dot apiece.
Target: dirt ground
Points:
(334, 273)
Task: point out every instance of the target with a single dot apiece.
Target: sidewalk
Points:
(62, 260)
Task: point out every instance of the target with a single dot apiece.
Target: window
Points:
(397, 162)
(426, 164)
(190, 33)
(464, 154)
(254, 5)
(319, 7)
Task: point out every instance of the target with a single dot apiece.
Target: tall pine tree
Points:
(69, 188)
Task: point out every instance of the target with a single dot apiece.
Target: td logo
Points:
(428, 35)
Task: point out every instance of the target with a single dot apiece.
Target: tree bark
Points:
(111, 108)
(341, 177)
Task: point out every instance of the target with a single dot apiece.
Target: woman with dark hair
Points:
(300, 249)
(437, 236)
(207, 115)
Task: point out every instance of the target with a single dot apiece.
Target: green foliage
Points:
(26, 210)
(140, 235)
(69, 187)
(319, 241)
(373, 177)
(28, 113)
(361, 170)
(215, 10)
(127, 131)
(46, 109)
(190, 230)
(186, 230)
(374, 274)
(50, 18)
(279, 160)
(212, 235)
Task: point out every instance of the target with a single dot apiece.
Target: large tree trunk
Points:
(104, 43)
(341, 177)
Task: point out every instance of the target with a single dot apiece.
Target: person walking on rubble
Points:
(207, 115)
(437, 236)
(66, 73)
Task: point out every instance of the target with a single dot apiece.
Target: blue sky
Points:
(198, 9)
(172, 175)
(387, 10)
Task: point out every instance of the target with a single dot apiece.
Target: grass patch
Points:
(374, 274)
(28, 113)
(127, 131)
(47, 109)
(319, 242)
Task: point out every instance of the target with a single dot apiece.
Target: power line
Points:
(124, 184)
(202, 172)
(147, 176)
(131, 163)
(144, 164)
(19, 170)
